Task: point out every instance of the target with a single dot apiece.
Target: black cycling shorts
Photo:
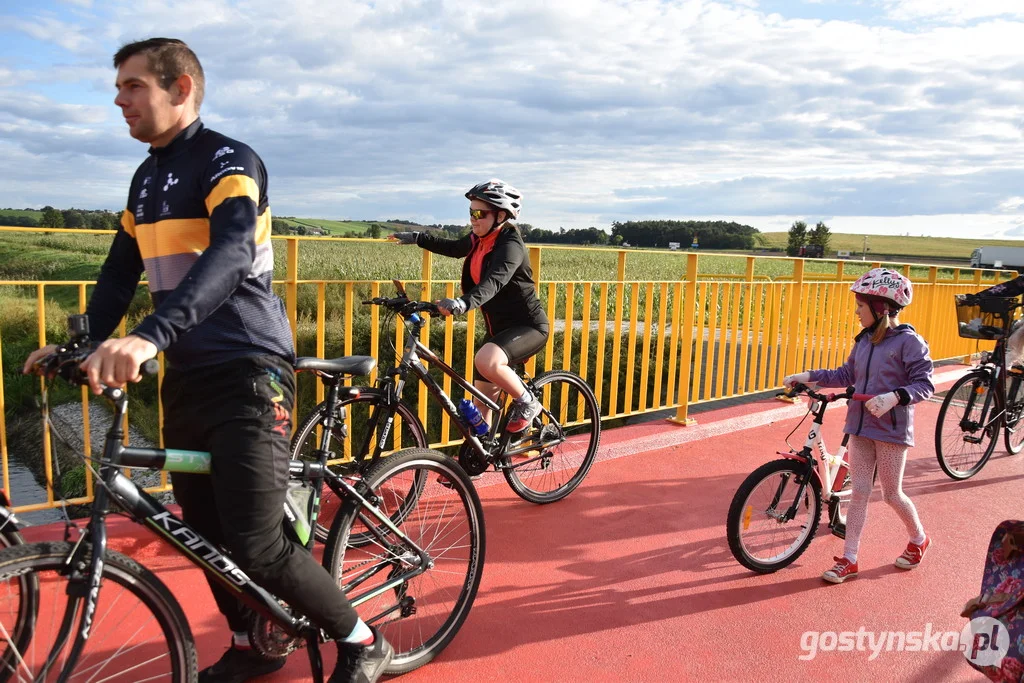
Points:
(518, 343)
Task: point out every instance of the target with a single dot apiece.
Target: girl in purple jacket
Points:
(890, 361)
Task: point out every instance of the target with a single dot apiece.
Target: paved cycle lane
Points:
(631, 578)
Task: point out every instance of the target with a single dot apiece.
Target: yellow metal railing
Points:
(644, 345)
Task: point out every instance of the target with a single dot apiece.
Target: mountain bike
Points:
(542, 464)
(986, 401)
(99, 615)
(775, 512)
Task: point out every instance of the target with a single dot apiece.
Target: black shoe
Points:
(362, 663)
(238, 666)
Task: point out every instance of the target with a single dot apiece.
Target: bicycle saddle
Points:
(346, 365)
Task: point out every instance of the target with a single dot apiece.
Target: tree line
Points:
(707, 234)
(86, 219)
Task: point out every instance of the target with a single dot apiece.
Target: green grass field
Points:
(912, 247)
(345, 227)
(20, 213)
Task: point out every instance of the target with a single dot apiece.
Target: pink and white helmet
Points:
(883, 283)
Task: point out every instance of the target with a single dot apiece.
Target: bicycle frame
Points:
(829, 470)
(414, 353)
(85, 582)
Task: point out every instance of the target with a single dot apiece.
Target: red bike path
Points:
(630, 578)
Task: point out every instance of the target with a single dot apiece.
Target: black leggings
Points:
(240, 411)
(518, 343)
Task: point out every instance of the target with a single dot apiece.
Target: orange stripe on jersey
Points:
(173, 236)
(128, 222)
(263, 227)
(232, 186)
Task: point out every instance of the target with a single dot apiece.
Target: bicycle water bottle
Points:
(296, 505)
(471, 414)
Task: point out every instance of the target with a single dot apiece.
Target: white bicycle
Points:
(775, 513)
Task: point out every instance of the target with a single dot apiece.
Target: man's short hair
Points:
(168, 59)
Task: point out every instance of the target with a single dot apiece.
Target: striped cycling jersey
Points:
(198, 224)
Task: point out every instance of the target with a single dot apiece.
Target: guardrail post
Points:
(686, 356)
(531, 365)
(933, 277)
(292, 286)
(796, 293)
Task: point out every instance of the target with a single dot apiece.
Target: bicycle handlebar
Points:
(404, 306)
(66, 362)
(850, 394)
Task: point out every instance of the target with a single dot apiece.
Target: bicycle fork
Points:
(969, 426)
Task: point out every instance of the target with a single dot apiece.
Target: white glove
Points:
(801, 377)
(882, 404)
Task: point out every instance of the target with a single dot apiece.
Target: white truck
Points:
(998, 257)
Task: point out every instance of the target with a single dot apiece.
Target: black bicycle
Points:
(95, 614)
(986, 401)
(542, 464)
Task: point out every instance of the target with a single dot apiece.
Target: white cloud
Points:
(953, 11)
(597, 109)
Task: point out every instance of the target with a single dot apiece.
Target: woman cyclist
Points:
(497, 279)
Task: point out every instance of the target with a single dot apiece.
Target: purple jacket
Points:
(899, 361)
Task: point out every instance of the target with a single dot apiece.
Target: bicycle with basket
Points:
(988, 400)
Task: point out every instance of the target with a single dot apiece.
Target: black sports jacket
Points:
(505, 293)
(198, 224)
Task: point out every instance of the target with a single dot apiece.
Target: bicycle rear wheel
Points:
(357, 411)
(760, 537)
(963, 444)
(138, 632)
(420, 614)
(548, 460)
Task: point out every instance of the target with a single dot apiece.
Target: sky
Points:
(875, 116)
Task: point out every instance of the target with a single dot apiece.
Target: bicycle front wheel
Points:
(761, 537)
(418, 608)
(138, 631)
(548, 460)
(1013, 435)
(963, 440)
(19, 605)
(358, 412)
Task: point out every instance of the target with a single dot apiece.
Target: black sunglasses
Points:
(479, 213)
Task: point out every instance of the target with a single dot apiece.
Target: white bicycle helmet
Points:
(885, 284)
(498, 194)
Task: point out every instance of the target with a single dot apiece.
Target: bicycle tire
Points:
(955, 454)
(564, 468)
(305, 442)
(744, 506)
(24, 615)
(421, 633)
(1013, 433)
(113, 622)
